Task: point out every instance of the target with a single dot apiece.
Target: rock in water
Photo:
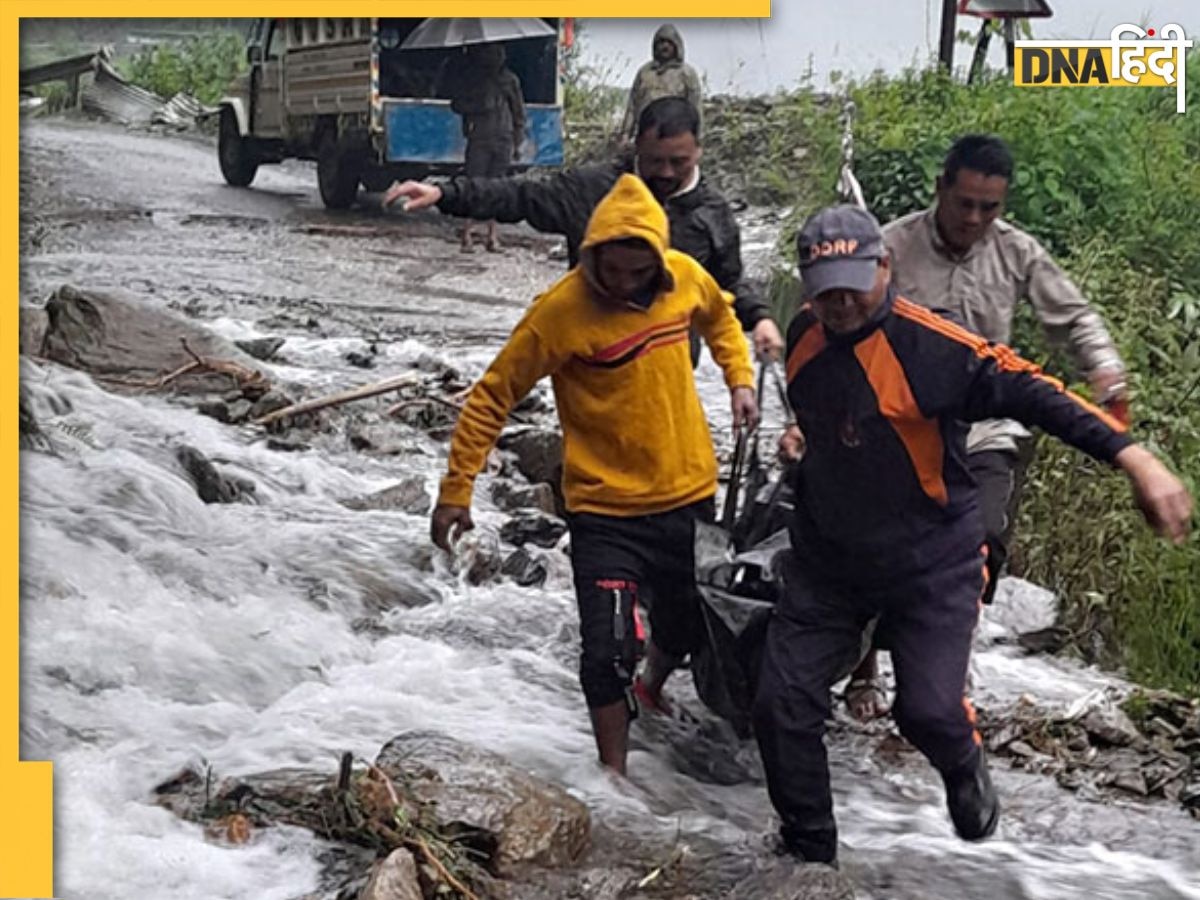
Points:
(532, 528)
(394, 879)
(211, 485)
(261, 348)
(527, 820)
(524, 569)
(120, 337)
(408, 496)
(538, 451)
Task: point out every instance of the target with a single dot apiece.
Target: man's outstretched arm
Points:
(560, 205)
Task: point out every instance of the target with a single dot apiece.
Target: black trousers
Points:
(814, 636)
(996, 475)
(621, 563)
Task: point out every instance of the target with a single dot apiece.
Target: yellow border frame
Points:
(26, 822)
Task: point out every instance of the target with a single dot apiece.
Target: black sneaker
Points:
(818, 846)
(972, 801)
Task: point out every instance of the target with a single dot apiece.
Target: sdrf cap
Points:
(839, 247)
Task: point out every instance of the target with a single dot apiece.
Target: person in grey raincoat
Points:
(666, 75)
(488, 97)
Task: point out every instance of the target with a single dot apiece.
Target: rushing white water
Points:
(158, 631)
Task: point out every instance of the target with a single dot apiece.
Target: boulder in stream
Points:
(407, 496)
(532, 528)
(211, 485)
(525, 819)
(121, 338)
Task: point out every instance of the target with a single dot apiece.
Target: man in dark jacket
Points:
(667, 155)
(887, 520)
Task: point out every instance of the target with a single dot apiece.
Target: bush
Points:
(592, 107)
(1109, 180)
(202, 66)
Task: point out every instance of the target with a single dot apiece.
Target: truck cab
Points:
(345, 93)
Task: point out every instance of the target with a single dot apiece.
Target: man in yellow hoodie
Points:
(638, 463)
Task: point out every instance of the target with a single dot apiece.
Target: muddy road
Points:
(152, 215)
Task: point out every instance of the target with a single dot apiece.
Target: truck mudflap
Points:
(426, 131)
(239, 112)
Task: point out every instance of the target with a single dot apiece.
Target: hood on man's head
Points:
(628, 211)
(670, 33)
(839, 247)
(487, 57)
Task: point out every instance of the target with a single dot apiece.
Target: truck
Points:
(345, 93)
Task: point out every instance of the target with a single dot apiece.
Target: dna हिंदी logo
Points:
(1131, 57)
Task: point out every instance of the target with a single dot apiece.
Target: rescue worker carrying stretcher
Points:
(638, 463)
(887, 520)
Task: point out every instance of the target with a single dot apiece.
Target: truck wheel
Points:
(239, 164)
(337, 174)
(378, 180)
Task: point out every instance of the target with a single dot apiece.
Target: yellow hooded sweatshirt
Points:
(635, 438)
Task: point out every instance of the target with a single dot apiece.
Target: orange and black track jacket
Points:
(883, 489)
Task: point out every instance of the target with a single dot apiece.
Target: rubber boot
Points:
(971, 799)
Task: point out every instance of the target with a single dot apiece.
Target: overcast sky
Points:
(852, 36)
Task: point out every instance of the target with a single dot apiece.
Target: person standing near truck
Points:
(488, 97)
(666, 75)
(667, 158)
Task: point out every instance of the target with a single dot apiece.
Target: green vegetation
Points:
(203, 66)
(592, 106)
(1109, 180)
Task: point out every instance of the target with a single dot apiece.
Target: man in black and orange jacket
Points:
(887, 520)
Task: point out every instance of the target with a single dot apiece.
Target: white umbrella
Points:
(437, 33)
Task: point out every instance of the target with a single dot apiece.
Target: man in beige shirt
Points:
(960, 256)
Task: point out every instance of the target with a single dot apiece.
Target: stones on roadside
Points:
(1110, 726)
(1044, 640)
(1148, 745)
(211, 485)
(532, 528)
